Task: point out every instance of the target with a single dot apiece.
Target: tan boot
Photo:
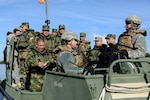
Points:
(14, 85)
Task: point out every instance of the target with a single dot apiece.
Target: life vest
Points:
(125, 40)
(78, 57)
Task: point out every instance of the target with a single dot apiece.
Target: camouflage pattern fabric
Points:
(96, 55)
(85, 47)
(26, 40)
(50, 41)
(36, 82)
(78, 57)
(35, 73)
(134, 42)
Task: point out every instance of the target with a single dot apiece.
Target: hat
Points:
(61, 26)
(68, 35)
(54, 30)
(82, 34)
(24, 23)
(45, 27)
(18, 28)
(98, 38)
(110, 36)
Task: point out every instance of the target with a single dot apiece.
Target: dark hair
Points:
(40, 40)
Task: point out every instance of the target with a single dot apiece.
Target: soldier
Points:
(61, 30)
(48, 38)
(84, 45)
(68, 58)
(54, 32)
(110, 50)
(7, 53)
(96, 55)
(16, 66)
(24, 43)
(132, 43)
(38, 60)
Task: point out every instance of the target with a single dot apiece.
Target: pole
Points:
(46, 11)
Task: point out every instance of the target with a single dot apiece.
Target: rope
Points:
(124, 89)
(128, 90)
(102, 95)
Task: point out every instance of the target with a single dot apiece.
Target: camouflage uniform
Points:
(58, 37)
(133, 40)
(49, 39)
(96, 55)
(36, 73)
(26, 40)
(54, 31)
(84, 46)
(8, 49)
(73, 66)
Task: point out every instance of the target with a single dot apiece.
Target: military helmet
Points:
(18, 28)
(134, 20)
(45, 28)
(69, 35)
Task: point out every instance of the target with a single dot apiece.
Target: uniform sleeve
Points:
(139, 45)
(9, 46)
(31, 60)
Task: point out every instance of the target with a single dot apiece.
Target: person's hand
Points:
(88, 70)
(41, 64)
(123, 53)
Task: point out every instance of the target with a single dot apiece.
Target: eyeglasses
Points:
(128, 22)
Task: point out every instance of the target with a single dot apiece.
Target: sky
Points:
(94, 17)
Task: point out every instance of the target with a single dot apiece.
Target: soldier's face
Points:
(62, 31)
(45, 32)
(40, 45)
(128, 26)
(74, 43)
(54, 33)
(98, 42)
(24, 28)
(82, 38)
(110, 41)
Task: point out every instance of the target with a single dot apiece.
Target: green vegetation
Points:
(1, 62)
(147, 55)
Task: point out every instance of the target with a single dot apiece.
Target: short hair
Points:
(40, 40)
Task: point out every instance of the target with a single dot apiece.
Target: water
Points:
(2, 76)
(2, 71)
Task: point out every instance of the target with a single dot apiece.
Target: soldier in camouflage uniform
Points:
(132, 43)
(61, 30)
(54, 32)
(38, 60)
(68, 58)
(84, 45)
(16, 66)
(49, 39)
(96, 55)
(12, 57)
(26, 40)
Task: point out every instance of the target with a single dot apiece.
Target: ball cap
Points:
(110, 36)
(98, 38)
